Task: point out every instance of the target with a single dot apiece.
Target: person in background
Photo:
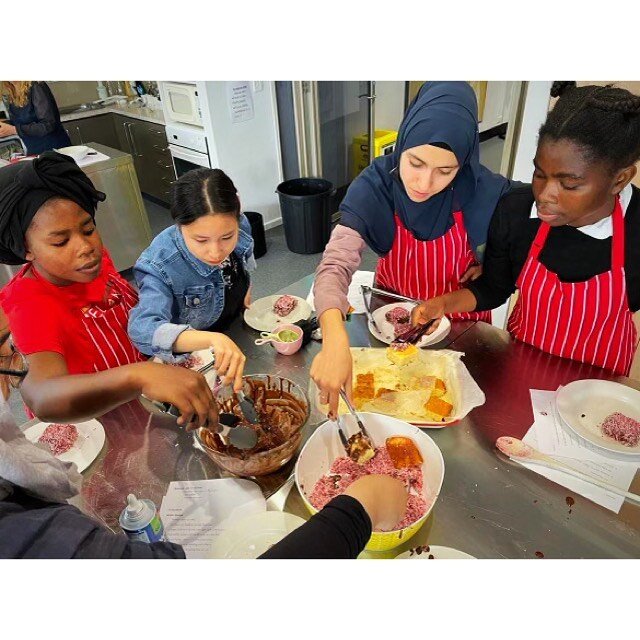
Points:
(424, 209)
(570, 241)
(194, 277)
(68, 307)
(34, 117)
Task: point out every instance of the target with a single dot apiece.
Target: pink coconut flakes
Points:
(622, 429)
(284, 305)
(190, 362)
(400, 318)
(345, 471)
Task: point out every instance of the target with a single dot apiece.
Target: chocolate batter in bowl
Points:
(283, 409)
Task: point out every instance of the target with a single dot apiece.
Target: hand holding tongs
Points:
(172, 410)
(414, 335)
(240, 436)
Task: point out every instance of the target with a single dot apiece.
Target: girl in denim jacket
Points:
(194, 277)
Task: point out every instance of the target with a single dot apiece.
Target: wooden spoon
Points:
(521, 451)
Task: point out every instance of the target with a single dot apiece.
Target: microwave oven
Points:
(182, 104)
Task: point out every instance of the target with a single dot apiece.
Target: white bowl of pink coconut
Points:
(323, 471)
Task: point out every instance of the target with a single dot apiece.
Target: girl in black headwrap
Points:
(68, 307)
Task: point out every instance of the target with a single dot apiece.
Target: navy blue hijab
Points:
(444, 113)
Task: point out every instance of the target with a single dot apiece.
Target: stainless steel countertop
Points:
(115, 159)
(488, 506)
(132, 111)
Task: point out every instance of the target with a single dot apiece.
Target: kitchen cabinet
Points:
(100, 129)
(147, 144)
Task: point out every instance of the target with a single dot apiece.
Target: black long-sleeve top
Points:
(38, 122)
(340, 531)
(32, 528)
(573, 255)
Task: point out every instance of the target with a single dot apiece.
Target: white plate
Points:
(438, 553)
(260, 315)
(386, 327)
(78, 152)
(584, 404)
(85, 449)
(206, 355)
(252, 536)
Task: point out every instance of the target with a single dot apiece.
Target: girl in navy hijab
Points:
(424, 209)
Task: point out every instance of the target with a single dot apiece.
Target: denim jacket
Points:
(178, 291)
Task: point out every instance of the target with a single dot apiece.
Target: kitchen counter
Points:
(132, 111)
(489, 506)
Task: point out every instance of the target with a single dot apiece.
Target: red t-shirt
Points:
(86, 323)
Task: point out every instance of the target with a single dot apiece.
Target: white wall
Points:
(536, 107)
(249, 152)
(389, 104)
(497, 106)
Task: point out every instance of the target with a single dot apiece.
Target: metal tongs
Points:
(389, 294)
(359, 447)
(414, 335)
(238, 435)
(367, 306)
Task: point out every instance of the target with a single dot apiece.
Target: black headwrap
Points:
(27, 185)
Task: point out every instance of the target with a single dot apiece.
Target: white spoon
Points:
(521, 451)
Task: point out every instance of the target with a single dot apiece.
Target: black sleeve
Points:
(340, 531)
(497, 281)
(32, 528)
(46, 112)
(101, 543)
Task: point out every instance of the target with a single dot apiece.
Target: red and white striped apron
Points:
(106, 325)
(587, 321)
(424, 269)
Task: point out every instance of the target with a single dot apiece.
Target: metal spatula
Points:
(239, 435)
(248, 408)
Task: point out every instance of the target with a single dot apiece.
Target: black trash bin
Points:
(257, 233)
(305, 204)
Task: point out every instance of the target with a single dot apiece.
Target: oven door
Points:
(183, 104)
(185, 160)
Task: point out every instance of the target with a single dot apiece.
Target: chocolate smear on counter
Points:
(431, 557)
(570, 502)
(539, 554)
